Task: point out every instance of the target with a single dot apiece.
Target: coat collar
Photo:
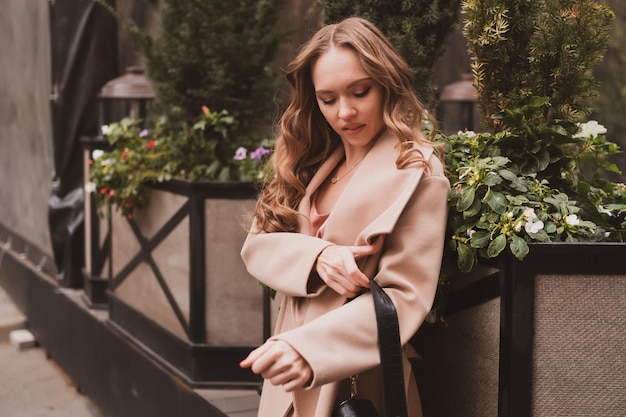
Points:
(373, 198)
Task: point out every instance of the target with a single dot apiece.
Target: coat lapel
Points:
(373, 198)
(324, 171)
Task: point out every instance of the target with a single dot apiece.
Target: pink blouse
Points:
(317, 220)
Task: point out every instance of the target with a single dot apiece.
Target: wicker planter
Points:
(542, 337)
(178, 287)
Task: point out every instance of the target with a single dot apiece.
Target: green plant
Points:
(611, 100)
(202, 150)
(526, 183)
(537, 174)
(417, 28)
(527, 48)
(253, 164)
(217, 53)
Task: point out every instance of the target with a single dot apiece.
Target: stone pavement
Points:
(32, 385)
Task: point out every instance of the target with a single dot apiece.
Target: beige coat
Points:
(339, 339)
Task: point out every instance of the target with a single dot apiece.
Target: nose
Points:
(346, 109)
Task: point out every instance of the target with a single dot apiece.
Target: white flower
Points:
(529, 213)
(602, 210)
(470, 232)
(532, 226)
(90, 187)
(518, 226)
(105, 129)
(591, 129)
(468, 133)
(572, 220)
(97, 153)
(105, 162)
(509, 215)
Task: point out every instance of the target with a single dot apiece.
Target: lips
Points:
(353, 128)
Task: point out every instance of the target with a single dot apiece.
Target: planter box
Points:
(542, 337)
(178, 286)
(97, 236)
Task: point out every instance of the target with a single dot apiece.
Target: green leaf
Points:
(550, 228)
(543, 159)
(480, 239)
(466, 200)
(473, 210)
(496, 246)
(536, 101)
(540, 236)
(492, 179)
(497, 202)
(519, 186)
(519, 247)
(507, 175)
(199, 125)
(465, 257)
(500, 160)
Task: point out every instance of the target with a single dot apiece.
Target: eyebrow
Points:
(352, 84)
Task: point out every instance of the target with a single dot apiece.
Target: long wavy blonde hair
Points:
(305, 140)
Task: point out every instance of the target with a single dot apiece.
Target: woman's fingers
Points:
(303, 379)
(279, 363)
(253, 356)
(337, 267)
(366, 250)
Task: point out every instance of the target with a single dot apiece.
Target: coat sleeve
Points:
(343, 341)
(283, 261)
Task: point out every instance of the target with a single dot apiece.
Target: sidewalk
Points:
(31, 385)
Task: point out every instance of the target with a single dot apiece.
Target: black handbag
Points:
(392, 375)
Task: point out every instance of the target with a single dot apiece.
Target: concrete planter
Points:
(178, 286)
(542, 337)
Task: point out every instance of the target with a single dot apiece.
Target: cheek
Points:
(326, 113)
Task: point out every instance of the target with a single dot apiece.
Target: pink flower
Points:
(259, 153)
(150, 144)
(240, 154)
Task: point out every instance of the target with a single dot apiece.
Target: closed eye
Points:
(362, 93)
(359, 94)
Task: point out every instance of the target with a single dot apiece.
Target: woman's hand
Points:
(279, 363)
(337, 267)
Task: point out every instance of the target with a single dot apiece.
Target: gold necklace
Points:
(335, 179)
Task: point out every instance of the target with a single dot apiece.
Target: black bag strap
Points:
(392, 375)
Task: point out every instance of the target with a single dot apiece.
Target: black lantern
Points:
(126, 96)
(457, 106)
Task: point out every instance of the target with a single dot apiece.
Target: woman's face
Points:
(350, 100)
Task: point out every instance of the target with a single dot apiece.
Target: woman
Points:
(358, 193)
